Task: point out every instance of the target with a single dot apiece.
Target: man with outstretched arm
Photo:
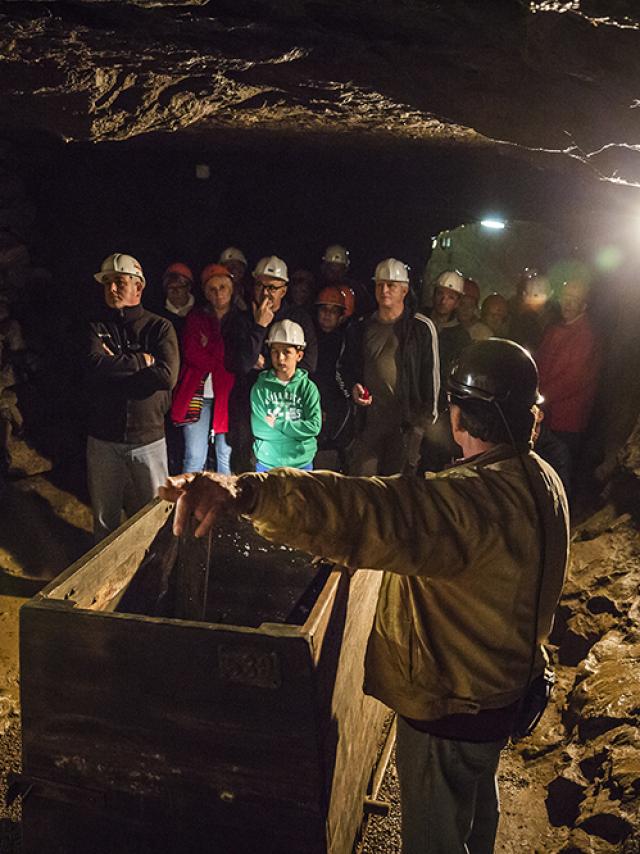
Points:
(473, 560)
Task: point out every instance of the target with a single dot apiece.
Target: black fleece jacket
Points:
(127, 399)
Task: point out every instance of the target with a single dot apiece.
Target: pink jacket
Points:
(202, 354)
(569, 364)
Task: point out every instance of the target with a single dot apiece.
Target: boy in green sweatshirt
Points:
(285, 404)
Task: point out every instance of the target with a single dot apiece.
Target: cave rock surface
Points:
(546, 79)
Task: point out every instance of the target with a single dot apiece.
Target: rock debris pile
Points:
(588, 748)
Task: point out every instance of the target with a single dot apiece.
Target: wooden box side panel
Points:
(57, 826)
(353, 722)
(168, 709)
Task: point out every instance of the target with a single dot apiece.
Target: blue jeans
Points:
(262, 467)
(122, 477)
(223, 453)
(448, 793)
(196, 443)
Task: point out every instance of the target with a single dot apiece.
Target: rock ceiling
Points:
(549, 81)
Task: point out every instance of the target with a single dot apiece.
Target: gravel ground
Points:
(9, 715)
(9, 817)
(383, 832)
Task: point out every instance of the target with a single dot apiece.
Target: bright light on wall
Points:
(493, 223)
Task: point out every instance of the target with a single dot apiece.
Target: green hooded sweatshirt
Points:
(296, 404)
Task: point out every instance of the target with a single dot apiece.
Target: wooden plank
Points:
(98, 579)
(319, 619)
(151, 590)
(352, 722)
(383, 759)
(54, 827)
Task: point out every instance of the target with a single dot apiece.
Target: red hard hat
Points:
(332, 295)
(472, 289)
(214, 270)
(349, 300)
(180, 269)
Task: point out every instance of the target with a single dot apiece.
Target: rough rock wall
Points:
(587, 748)
(19, 361)
(545, 78)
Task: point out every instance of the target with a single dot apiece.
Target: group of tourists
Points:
(274, 390)
(251, 371)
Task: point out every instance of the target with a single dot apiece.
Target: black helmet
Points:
(495, 370)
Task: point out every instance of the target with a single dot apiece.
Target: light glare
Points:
(493, 223)
(609, 258)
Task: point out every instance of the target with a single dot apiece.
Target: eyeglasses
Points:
(272, 289)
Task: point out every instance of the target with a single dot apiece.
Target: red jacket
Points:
(569, 364)
(202, 354)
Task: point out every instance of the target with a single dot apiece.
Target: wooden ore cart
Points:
(160, 715)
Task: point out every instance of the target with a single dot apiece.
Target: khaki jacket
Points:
(453, 630)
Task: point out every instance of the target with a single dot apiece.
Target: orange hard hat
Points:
(214, 270)
(179, 269)
(332, 295)
(472, 289)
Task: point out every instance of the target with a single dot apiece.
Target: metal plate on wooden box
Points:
(249, 666)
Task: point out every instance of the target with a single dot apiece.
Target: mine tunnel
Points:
(223, 676)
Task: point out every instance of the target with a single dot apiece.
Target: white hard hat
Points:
(286, 332)
(233, 254)
(391, 270)
(272, 266)
(119, 263)
(336, 254)
(451, 280)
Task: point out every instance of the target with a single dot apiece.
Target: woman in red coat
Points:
(201, 398)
